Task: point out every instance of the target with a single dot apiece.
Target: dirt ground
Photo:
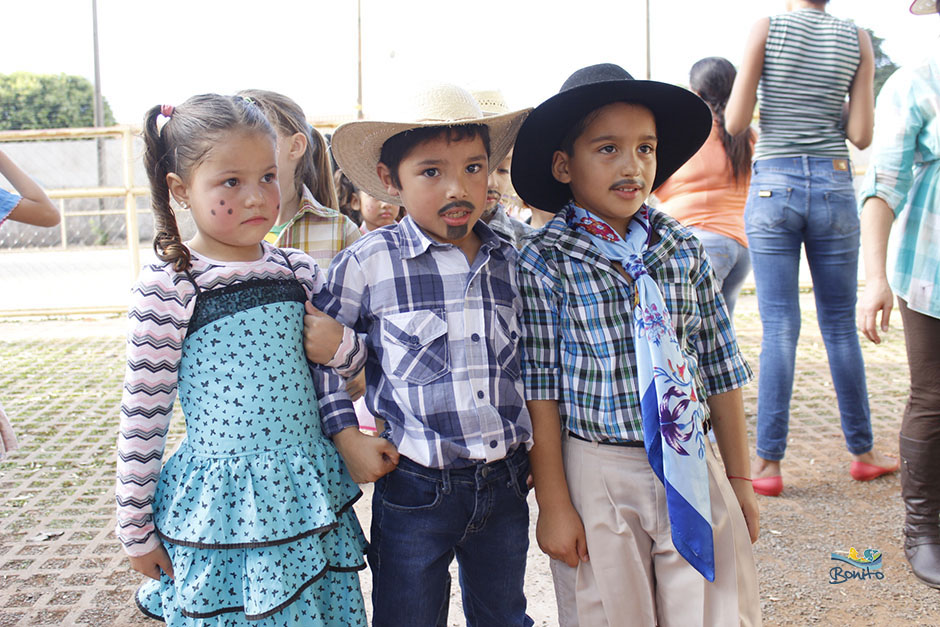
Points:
(60, 564)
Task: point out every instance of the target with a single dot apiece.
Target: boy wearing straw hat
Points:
(628, 352)
(436, 298)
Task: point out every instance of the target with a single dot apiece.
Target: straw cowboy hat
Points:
(683, 123)
(357, 146)
(924, 7)
(491, 102)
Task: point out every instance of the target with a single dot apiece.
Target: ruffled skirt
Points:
(267, 538)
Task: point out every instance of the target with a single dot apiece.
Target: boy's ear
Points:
(560, 167)
(178, 189)
(385, 175)
(298, 146)
(354, 203)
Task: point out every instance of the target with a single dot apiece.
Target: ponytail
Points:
(711, 78)
(167, 243)
(320, 174)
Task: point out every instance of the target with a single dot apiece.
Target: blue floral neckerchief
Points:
(672, 415)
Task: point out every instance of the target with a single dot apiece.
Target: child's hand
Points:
(560, 534)
(322, 335)
(744, 491)
(367, 457)
(152, 563)
(356, 386)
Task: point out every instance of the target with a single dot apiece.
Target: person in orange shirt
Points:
(708, 193)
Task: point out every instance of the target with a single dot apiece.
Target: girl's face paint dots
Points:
(239, 173)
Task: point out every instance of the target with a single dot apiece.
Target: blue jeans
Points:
(806, 202)
(422, 518)
(730, 263)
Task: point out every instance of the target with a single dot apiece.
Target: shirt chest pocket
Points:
(415, 345)
(506, 340)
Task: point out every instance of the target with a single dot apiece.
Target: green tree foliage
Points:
(884, 66)
(33, 101)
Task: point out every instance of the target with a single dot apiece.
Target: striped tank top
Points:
(810, 59)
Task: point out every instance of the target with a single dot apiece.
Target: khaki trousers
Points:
(635, 576)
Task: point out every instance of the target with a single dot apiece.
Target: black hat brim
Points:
(683, 123)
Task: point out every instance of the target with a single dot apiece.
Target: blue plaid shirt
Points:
(443, 337)
(578, 333)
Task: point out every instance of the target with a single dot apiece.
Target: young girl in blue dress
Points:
(250, 521)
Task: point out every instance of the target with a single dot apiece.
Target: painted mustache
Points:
(628, 183)
(466, 204)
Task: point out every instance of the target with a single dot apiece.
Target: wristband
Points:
(741, 478)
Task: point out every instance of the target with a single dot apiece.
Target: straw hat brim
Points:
(357, 146)
(683, 123)
(924, 7)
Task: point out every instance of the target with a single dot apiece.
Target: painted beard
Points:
(456, 232)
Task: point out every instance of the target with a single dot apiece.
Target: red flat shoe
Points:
(768, 486)
(862, 471)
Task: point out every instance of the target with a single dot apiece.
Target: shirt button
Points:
(480, 394)
(493, 444)
(475, 337)
(513, 335)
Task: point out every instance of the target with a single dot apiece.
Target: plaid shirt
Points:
(578, 334)
(443, 336)
(319, 231)
(509, 228)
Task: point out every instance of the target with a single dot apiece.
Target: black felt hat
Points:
(683, 123)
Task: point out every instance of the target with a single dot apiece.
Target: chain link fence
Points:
(89, 261)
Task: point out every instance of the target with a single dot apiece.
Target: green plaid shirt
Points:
(578, 331)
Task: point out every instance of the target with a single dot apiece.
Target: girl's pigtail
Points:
(167, 243)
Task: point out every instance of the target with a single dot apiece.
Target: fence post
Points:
(130, 204)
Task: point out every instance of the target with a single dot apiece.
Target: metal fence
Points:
(96, 177)
(89, 262)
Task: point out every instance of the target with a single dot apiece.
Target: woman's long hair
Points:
(711, 78)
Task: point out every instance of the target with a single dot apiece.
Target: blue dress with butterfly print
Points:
(255, 507)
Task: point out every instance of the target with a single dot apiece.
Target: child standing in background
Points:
(250, 521)
(30, 206)
(309, 217)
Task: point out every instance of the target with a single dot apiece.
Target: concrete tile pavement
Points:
(60, 564)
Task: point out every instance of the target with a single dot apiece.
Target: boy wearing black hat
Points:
(629, 354)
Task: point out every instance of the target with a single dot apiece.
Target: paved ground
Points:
(60, 564)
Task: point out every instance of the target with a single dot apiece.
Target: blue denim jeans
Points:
(730, 263)
(795, 203)
(422, 518)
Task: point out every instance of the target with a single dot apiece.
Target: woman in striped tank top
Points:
(801, 66)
